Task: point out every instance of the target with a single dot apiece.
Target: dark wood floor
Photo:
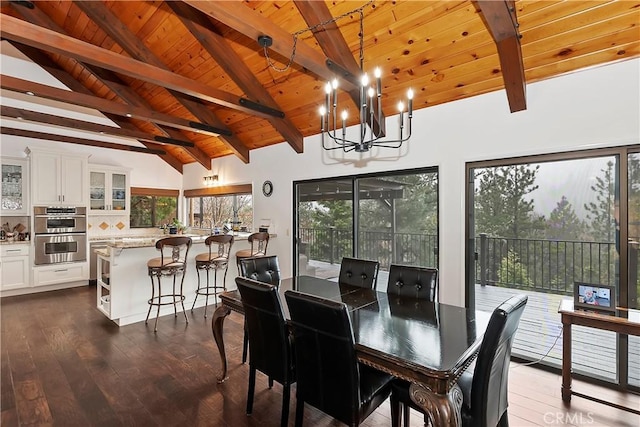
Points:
(65, 364)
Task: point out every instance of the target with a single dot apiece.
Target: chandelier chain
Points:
(359, 10)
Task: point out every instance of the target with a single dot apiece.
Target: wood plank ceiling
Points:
(190, 82)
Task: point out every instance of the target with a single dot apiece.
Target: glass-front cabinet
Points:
(109, 191)
(15, 181)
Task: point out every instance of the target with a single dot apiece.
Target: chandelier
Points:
(334, 132)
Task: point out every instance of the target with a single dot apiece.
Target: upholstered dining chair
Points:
(414, 282)
(484, 385)
(270, 340)
(359, 272)
(329, 376)
(264, 269)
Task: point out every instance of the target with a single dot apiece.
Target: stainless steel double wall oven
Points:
(60, 234)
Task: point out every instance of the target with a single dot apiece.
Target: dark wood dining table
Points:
(427, 343)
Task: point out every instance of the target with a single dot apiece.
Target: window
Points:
(153, 207)
(220, 207)
(388, 217)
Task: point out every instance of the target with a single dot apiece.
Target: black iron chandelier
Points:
(370, 106)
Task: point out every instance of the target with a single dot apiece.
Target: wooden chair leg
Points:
(504, 420)
(299, 411)
(252, 388)
(407, 415)
(245, 344)
(395, 412)
(286, 393)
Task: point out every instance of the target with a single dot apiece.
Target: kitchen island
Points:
(123, 285)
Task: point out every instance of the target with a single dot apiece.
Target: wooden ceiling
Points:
(191, 83)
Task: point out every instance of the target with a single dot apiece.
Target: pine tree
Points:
(501, 206)
(563, 223)
(600, 213)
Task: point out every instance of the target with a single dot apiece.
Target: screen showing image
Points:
(594, 295)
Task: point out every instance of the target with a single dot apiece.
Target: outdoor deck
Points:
(540, 329)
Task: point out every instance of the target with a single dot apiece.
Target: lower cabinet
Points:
(14, 267)
(60, 273)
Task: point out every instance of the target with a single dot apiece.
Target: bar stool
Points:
(172, 262)
(217, 259)
(259, 242)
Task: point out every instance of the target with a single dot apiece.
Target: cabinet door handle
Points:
(14, 250)
(63, 197)
(60, 271)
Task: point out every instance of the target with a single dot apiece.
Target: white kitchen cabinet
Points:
(58, 179)
(14, 266)
(61, 273)
(15, 184)
(109, 190)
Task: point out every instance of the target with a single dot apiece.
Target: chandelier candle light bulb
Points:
(371, 115)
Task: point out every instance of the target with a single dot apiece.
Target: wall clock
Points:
(267, 188)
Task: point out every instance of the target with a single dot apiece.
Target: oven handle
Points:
(74, 233)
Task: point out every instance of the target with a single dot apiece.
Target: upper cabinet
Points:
(58, 179)
(15, 182)
(109, 190)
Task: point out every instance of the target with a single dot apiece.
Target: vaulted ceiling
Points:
(189, 81)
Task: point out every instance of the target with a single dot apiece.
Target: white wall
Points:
(593, 108)
(599, 107)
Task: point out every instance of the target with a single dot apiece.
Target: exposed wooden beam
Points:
(250, 23)
(114, 83)
(51, 41)
(80, 141)
(100, 104)
(334, 46)
(65, 78)
(236, 69)
(112, 26)
(49, 119)
(500, 19)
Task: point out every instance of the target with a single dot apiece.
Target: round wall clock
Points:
(267, 188)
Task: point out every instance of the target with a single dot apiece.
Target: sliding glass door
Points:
(539, 225)
(390, 218)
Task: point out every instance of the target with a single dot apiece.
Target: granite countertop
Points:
(150, 241)
(15, 242)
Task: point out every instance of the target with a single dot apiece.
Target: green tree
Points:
(600, 213)
(513, 272)
(501, 205)
(563, 223)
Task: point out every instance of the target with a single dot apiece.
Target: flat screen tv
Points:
(594, 297)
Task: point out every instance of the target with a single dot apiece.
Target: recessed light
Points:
(128, 114)
(30, 93)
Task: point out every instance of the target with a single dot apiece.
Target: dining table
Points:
(429, 344)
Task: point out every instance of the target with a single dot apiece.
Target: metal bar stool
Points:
(259, 242)
(172, 262)
(216, 259)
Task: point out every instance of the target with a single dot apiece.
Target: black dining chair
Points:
(265, 269)
(359, 272)
(270, 340)
(484, 385)
(414, 282)
(329, 376)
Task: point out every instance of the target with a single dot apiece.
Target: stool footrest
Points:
(174, 299)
